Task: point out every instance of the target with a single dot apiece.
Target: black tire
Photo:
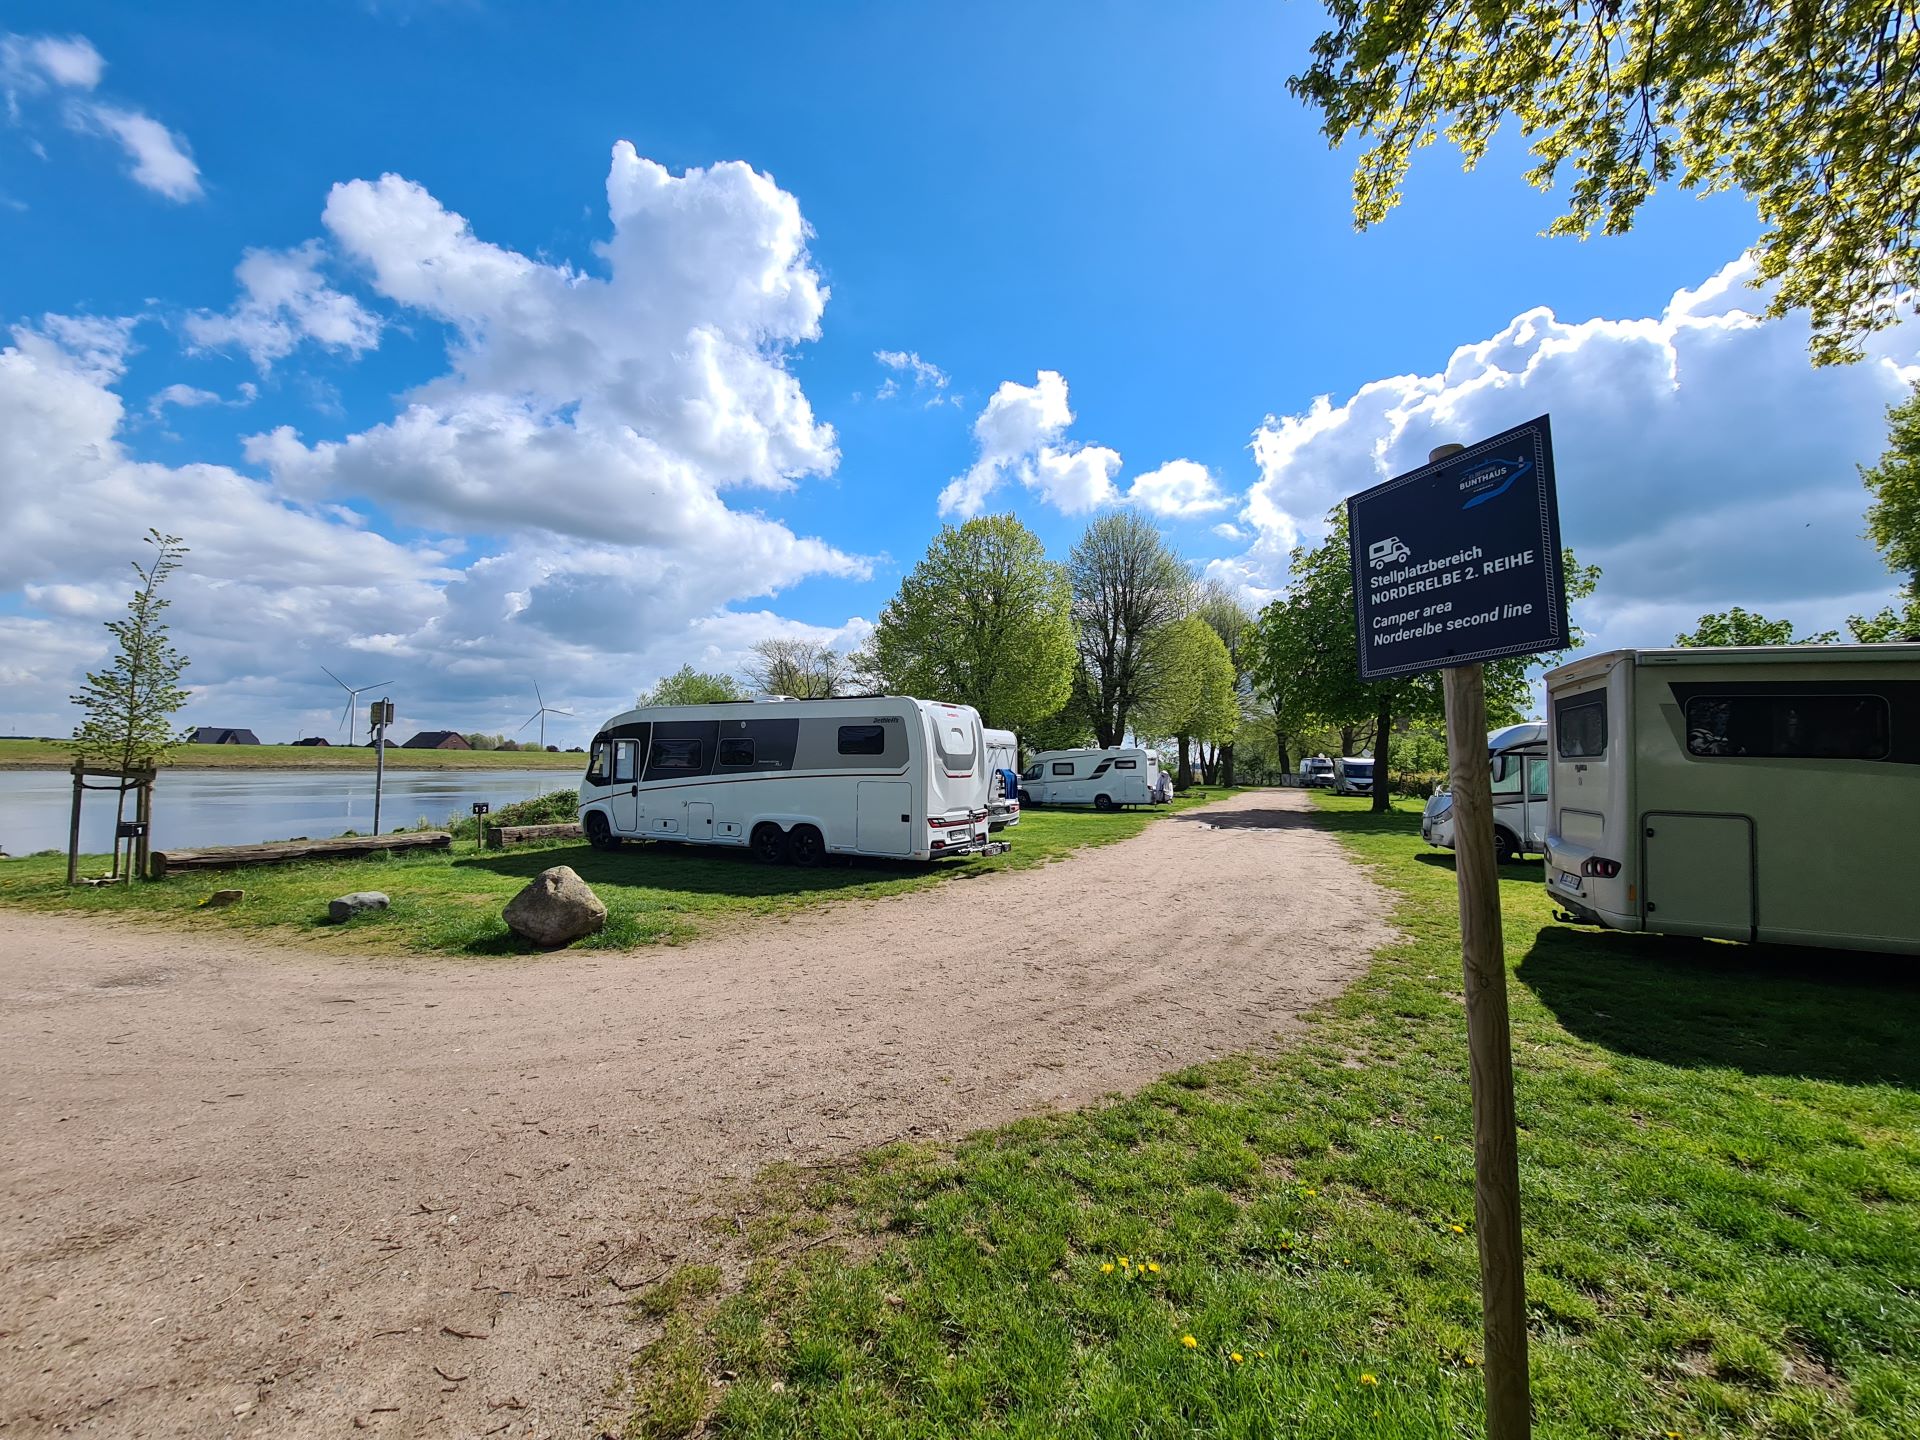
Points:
(1506, 849)
(1103, 802)
(1025, 798)
(769, 844)
(599, 833)
(805, 847)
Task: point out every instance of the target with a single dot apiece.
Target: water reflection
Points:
(238, 807)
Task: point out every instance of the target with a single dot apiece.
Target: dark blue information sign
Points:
(1459, 561)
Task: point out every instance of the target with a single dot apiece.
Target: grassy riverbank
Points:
(55, 755)
(449, 903)
(1720, 1164)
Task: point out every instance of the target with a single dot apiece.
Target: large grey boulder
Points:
(556, 908)
(361, 902)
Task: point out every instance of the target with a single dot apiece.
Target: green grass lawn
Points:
(1720, 1165)
(55, 755)
(449, 903)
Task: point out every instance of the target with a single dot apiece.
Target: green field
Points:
(1720, 1164)
(449, 903)
(55, 755)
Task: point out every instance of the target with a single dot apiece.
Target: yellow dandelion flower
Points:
(1189, 1341)
(1458, 1229)
(1107, 1269)
(1369, 1379)
(1313, 1192)
(1123, 1262)
(1236, 1357)
(1153, 1266)
(1469, 1360)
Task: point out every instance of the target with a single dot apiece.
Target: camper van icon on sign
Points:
(1390, 551)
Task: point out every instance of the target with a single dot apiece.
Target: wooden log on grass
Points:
(281, 852)
(499, 837)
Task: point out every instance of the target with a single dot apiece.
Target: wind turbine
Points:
(354, 692)
(541, 714)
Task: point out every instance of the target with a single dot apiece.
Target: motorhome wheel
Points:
(1506, 849)
(769, 844)
(805, 845)
(600, 834)
(1103, 802)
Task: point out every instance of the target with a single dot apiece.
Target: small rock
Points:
(556, 908)
(359, 903)
(223, 897)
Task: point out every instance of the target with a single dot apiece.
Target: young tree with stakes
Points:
(127, 709)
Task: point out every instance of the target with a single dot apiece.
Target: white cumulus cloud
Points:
(283, 300)
(36, 65)
(1702, 462)
(1181, 489)
(1021, 434)
(161, 159)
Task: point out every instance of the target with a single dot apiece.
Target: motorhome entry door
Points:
(884, 823)
(1698, 874)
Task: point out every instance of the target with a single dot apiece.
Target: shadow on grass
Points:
(702, 871)
(1833, 1015)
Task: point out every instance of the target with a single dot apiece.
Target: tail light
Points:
(1602, 869)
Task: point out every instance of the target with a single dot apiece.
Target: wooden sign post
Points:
(1454, 564)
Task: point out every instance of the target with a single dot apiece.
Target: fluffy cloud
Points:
(1021, 434)
(35, 65)
(283, 300)
(588, 425)
(1702, 461)
(1180, 488)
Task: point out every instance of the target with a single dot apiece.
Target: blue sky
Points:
(1125, 197)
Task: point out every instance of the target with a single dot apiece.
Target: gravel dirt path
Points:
(258, 1191)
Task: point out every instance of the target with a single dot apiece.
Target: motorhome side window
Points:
(1582, 726)
(624, 765)
(673, 756)
(1508, 770)
(863, 740)
(1032, 772)
(1789, 727)
(735, 751)
(600, 766)
(1063, 767)
(1126, 764)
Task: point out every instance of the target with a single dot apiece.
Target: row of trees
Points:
(1120, 639)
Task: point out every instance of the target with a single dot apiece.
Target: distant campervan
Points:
(1105, 779)
(793, 781)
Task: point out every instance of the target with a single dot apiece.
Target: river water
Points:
(240, 807)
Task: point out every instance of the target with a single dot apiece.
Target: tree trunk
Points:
(1226, 765)
(1382, 748)
(1346, 742)
(1184, 776)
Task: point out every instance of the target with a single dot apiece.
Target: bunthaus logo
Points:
(1490, 479)
(1390, 551)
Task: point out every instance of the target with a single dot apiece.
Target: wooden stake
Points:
(73, 826)
(1496, 1164)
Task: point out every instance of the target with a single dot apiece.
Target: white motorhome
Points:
(1757, 794)
(793, 780)
(1517, 762)
(1104, 779)
(1352, 775)
(1003, 760)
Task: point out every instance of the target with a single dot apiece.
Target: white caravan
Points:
(793, 780)
(1517, 762)
(1104, 779)
(1003, 758)
(1757, 794)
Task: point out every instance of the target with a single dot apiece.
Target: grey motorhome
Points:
(1757, 794)
(793, 780)
(1517, 765)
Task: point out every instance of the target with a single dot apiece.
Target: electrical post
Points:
(382, 717)
(1455, 564)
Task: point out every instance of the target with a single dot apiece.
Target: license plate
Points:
(1570, 880)
(959, 834)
